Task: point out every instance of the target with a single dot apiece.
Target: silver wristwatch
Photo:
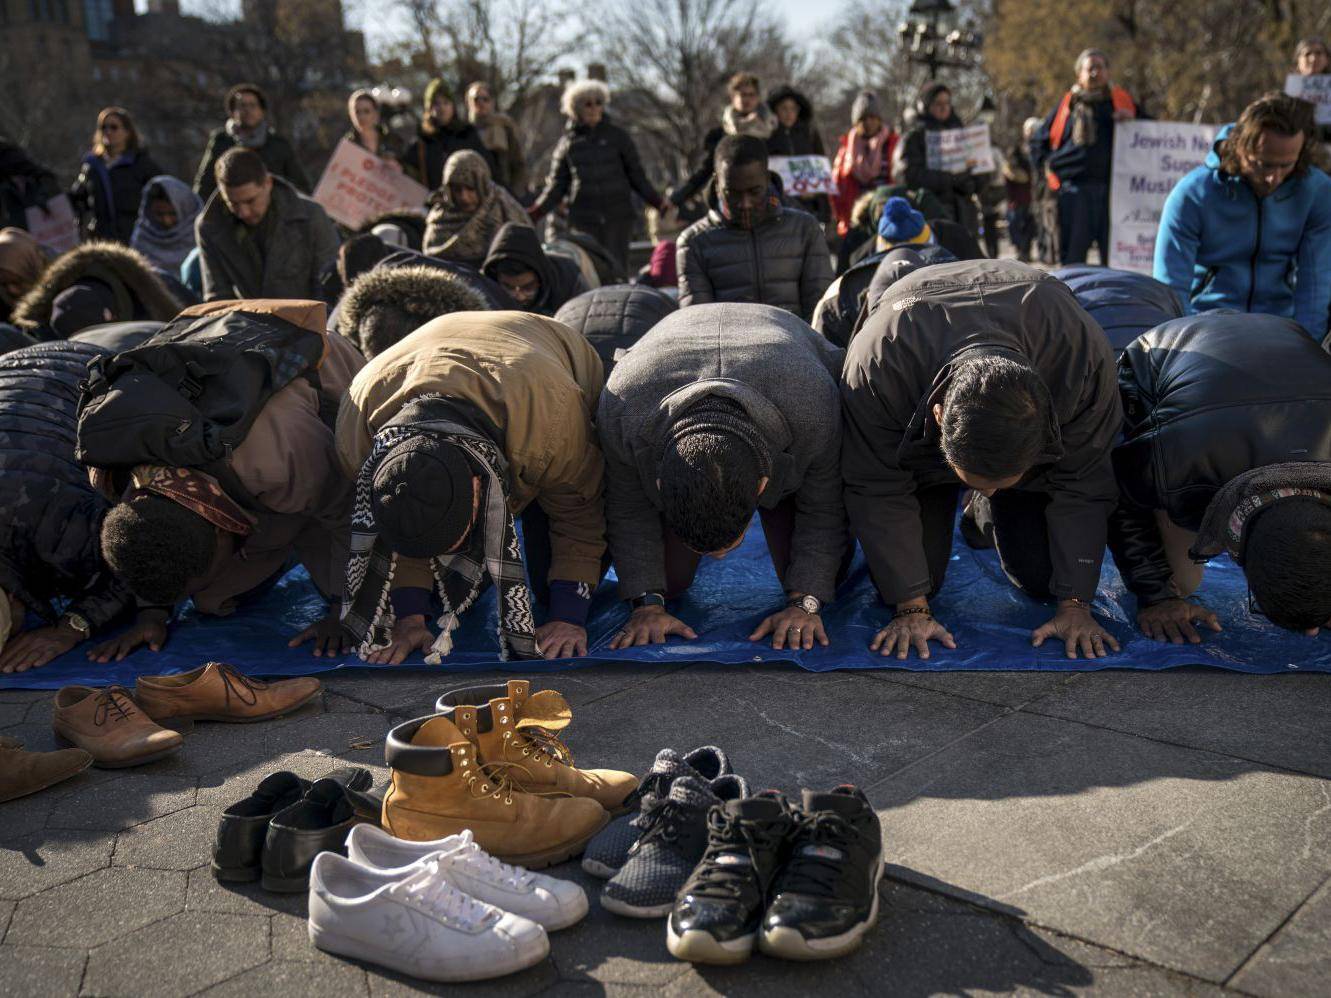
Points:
(78, 623)
(809, 604)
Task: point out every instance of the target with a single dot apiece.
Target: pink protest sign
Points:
(54, 227)
(358, 185)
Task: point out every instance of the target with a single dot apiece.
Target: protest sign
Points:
(357, 185)
(1150, 157)
(54, 227)
(1316, 90)
(950, 149)
(803, 176)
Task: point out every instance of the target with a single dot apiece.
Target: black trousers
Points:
(1012, 520)
(613, 234)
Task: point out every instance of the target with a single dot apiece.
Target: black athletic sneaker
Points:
(825, 898)
(674, 837)
(717, 915)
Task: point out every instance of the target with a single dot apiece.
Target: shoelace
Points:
(474, 856)
(663, 820)
(245, 689)
(430, 892)
(648, 791)
(728, 834)
(814, 874)
(113, 704)
(541, 746)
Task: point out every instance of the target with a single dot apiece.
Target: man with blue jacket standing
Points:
(1251, 229)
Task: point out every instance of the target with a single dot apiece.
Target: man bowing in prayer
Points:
(473, 419)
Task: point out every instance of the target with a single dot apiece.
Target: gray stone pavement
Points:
(1057, 833)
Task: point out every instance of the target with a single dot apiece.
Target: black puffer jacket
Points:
(425, 158)
(901, 363)
(953, 190)
(615, 317)
(559, 276)
(50, 516)
(597, 169)
(783, 262)
(1205, 399)
(109, 209)
(847, 299)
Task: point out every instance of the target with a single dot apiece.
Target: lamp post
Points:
(926, 38)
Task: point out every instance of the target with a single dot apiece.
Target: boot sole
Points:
(598, 869)
(789, 944)
(332, 942)
(636, 911)
(696, 946)
(49, 783)
(230, 719)
(556, 854)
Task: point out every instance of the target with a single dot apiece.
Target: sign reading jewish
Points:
(357, 186)
(54, 226)
(960, 150)
(803, 176)
(1316, 90)
(1150, 157)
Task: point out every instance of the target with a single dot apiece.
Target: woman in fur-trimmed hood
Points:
(385, 304)
(91, 284)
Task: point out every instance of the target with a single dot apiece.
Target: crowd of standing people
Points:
(238, 383)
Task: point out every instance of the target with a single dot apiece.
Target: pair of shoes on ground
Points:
(23, 773)
(119, 729)
(442, 911)
(648, 857)
(489, 761)
(797, 882)
(275, 833)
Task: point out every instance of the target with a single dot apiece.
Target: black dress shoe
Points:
(238, 847)
(319, 822)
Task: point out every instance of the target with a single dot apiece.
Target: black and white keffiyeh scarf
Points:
(492, 549)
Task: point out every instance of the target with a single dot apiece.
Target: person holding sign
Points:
(796, 135)
(1250, 229)
(1312, 58)
(956, 190)
(1076, 147)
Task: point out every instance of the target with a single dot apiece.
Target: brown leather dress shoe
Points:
(109, 725)
(23, 773)
(217, 692)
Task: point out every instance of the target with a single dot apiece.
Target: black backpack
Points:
(187, 397)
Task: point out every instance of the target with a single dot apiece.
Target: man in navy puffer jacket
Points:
(1251, 229)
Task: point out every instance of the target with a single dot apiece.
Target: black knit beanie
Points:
(422, 497)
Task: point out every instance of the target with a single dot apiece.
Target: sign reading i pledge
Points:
(949, 150)
(1150, 157)
(1316, 90)
(803, 176)
(357, 186)
(55, 227)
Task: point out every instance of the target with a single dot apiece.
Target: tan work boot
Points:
(439, 788)
(508, 724)
(109, 725)
(23, 773)
(217, 692)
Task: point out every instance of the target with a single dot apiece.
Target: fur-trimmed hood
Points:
(139, 292)
(421, 292)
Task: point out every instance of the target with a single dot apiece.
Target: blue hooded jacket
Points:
(1220, 246)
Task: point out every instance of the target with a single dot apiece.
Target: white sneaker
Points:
(552, 904)
(416, 922)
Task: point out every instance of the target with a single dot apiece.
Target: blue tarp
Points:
(990, 620)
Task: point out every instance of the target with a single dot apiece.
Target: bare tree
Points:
(513, 45)
(669, 62)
